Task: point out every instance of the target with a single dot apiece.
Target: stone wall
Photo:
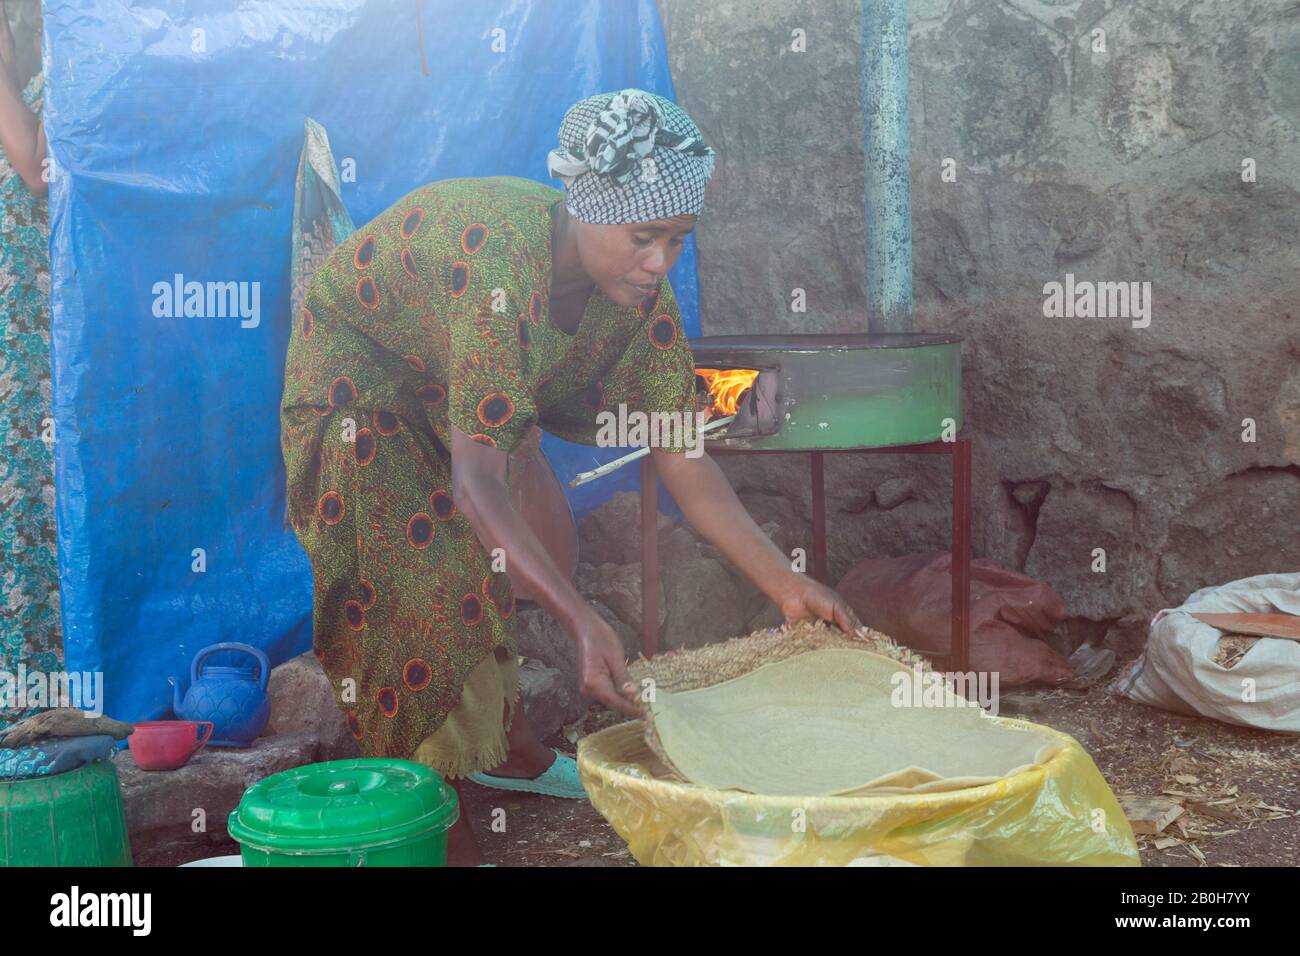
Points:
(1122, 164)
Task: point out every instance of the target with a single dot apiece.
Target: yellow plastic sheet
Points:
(1061, 813)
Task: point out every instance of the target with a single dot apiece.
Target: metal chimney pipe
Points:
(888, 198)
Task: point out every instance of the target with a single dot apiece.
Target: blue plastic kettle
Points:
(233, 698)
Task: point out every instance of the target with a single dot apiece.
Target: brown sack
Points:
(910, 599)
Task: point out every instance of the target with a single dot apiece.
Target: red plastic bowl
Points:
(167, 744)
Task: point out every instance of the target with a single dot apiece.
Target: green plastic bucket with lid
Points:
(364, 812)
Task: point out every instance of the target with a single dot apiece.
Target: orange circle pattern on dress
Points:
(342, 392)
(473, 238)
(386, 423)
(419, 531)
(365, 253)
(330, 507)
(471, 609)
(417, 674)
(355, 615)
(459, 279)
(367, 293)
(363, 449)
(408, 264)
(444, 508)
(663, 333)
(495, 409)
(431, 394)
(411, 223)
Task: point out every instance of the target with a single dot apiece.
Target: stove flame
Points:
(726, 387)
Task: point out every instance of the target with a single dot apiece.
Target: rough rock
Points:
(618, 587)
(544, 642)
(1127, 636)
(892, 492)
(548, 697)
(706, 606)
(1011, 72)
(1246, 525)
(611, 534)
(1136, 114)
(1064, 557)
(944, 245)
(683, 545)
(543, 639)
(302, 702)
(1220, 235)
(1286, 408)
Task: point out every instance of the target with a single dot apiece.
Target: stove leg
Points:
(819, 516)
(959, 651)
(649, 560)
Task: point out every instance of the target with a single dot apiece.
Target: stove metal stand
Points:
(958, 657)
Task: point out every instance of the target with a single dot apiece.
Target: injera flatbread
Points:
(823, 723)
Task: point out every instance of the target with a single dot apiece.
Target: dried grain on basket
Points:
(807, 709)
(714, 663)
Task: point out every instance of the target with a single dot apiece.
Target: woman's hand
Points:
(602, 665)
(810, 598)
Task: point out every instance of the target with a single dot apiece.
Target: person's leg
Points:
(462, 848)
(529, 765)
(528, 756)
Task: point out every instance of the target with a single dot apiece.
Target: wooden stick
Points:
(611, 466)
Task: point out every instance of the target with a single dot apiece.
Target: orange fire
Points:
(726, 386)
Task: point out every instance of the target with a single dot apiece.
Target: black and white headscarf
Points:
(630, 156)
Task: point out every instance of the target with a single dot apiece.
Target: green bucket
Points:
(365, 812)
(67, 819)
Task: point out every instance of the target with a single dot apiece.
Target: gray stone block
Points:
(302, 702)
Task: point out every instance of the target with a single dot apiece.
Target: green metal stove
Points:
(839, 391)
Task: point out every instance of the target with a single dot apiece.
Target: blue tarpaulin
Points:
(175, 129)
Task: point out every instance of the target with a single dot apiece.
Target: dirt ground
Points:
(1240, 789)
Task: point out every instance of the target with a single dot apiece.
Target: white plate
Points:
(235, 860)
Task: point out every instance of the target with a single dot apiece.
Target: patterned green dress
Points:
(29, 575)
(436, 314)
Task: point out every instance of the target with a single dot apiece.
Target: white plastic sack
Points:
(1177, 671)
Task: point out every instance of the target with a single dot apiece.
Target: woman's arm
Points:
(705, 496)
(22, 137)
(478, 474)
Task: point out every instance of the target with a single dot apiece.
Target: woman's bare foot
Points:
(528, 757)
(527, 764)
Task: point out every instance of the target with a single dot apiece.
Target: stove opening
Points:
(747, 393)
